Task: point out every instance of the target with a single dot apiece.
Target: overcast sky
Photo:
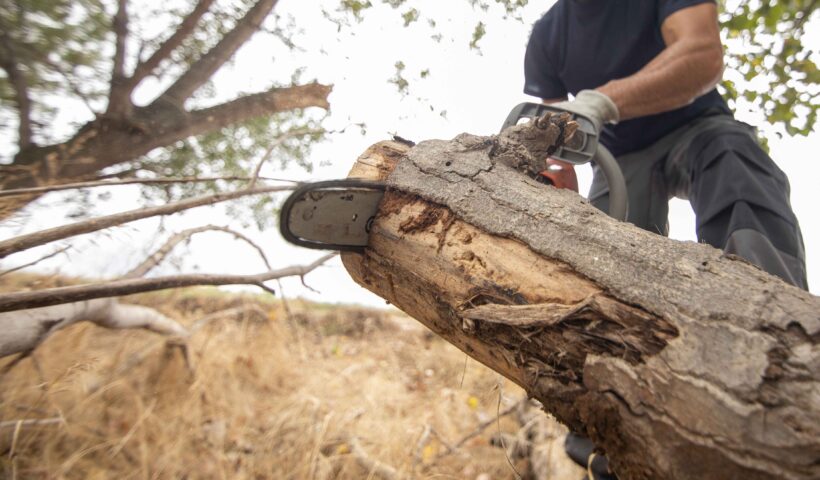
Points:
(464, 92)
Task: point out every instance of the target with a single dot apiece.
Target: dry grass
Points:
(264, 398)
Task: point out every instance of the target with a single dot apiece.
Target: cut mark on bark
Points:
(430, 216)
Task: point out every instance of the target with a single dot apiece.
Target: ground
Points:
(279, 391)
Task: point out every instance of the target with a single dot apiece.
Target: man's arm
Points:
(689, 66)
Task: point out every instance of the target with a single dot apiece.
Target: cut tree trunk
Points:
(678, 361)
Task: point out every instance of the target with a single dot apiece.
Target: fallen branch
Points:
(115, 288)
(137, 358)
(674, 359)
(24, 242)
(24, 331)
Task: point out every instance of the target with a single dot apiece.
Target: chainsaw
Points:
(338, 214)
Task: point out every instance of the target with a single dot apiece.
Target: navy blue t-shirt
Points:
(581, 45)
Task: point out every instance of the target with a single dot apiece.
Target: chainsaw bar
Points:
(331, 215)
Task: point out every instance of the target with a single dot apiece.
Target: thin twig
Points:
(207, 319)
(31, 422)
(115, 288)
(159, 255)
(481, 427)
(35, 262)
(132, 181)
(24, 242)
(279, 141)
(501, 435)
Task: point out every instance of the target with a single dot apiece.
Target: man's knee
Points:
(731, 167)
(741, 200)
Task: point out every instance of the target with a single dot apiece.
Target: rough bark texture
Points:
(677, 360)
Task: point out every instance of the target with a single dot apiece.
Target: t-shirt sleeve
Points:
(668, 7)
(540, 73)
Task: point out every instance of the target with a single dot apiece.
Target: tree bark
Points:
(678, 361)
(104, 142)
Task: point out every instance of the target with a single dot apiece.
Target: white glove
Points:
(594, 105)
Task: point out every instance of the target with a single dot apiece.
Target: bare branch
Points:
(24, 242)
(35, 262)
(119, 98)
(297, 132)
(158, 256)
(115, 288)
(208, 64)
(184, 29)
(132, 181)
(257, 105)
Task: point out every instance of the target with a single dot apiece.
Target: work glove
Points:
(594, 105)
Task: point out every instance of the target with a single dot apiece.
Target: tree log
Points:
(677, 360)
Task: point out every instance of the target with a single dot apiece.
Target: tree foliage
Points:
(135, 80)
(764, 46)
(767, 50)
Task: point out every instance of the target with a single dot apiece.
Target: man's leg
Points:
(741, 201)
(646, 189)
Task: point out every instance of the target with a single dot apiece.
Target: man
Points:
(645, 72)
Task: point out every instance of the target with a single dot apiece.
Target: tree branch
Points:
(24, 242)
(115, 288)
(119, 97)
(277, 142)
(182, 32)
(256, 105)
(158, 256)
(19, 83)
(208, 64)
(131, 181)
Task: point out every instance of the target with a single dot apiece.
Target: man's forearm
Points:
(689, 66)
(676, 77)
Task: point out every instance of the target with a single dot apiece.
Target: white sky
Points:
(475, 91)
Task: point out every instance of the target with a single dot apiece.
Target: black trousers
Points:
(740, 197)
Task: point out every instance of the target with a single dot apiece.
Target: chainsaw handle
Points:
(618, 198)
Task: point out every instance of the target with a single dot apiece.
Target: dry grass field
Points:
(302, 391)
